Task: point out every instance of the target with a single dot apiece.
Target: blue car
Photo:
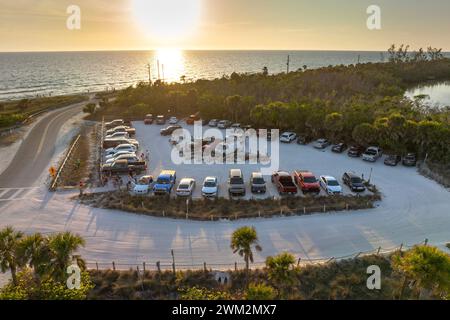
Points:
(165, 182)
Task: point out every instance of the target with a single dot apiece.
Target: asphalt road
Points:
(36, 151)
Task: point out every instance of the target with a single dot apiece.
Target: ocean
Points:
(27, 75)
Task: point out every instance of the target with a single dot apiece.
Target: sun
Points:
(167, 18)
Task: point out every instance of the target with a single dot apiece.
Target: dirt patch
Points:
(438, 172)
(221, 208)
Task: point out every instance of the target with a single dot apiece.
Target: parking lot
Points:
(292, 157)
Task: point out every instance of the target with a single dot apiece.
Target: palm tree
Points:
(242, 241)
(62, 248)
(34, 251)
(280, 270)
(9, 257)
(427, 266)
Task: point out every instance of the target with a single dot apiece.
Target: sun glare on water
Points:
(165, 19)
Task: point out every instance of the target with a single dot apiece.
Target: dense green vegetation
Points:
(13, 112)
(38, 265)
(360, 103)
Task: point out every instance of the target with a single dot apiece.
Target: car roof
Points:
(210, 178)
(186, 180)
(235, 172)
(305, 173)
(283, 173)
(352, 174)
(257, 175)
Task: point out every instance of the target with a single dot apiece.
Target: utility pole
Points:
(162, 68)
(149, 73)
(359, 58)
(287, 64)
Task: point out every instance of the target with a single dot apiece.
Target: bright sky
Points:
(40, 25)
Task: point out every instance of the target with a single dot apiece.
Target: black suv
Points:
(409, 160)
(354, 182)
(339, 148)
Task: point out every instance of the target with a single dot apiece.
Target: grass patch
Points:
(221, 208)
(345, 279)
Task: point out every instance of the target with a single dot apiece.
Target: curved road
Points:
(37, 150)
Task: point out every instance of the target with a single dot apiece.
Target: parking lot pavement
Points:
(292, 157)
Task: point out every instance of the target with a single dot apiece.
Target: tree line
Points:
(360, 103)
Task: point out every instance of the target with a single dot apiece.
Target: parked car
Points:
(372, 154)
(224, 124)
(306, 181)
(118, 135)
(236, 185)
(131, 131)
(330, 185)
(123, 147)
(321, 144)
(143, 185)
(114, 142)
(130, 157)
(123, 166)
(160, 120)
(339, 148)
(247, 127)
(392, 160)
(355, 151)
(210, 187)
(284, 183)
(409, 160)
(257, 183)
(173, 120)
(303, 140)
(186, 187)
(213, 123)
(288, 137)
(114, 123)
(170, 129)
(148, 119)
(165, 182)
(117, 154)
(354, 182)
(235, 126)
(192, 118)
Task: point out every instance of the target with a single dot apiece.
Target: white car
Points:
(117, 135)
(130, 157)
(224, 124)
(288, 137)
(330, 185)
(210, 187)
(372, 154)
(173, 120)
(143, 186)
(186, 187)
(119, 153)
(120, 147)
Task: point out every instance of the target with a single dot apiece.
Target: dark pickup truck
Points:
(123, 166)
(284, 182)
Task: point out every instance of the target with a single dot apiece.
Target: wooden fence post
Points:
(143, 265)
(114, 265)
(235, 266)
(378, 251)
(158, 266)
(173, 262)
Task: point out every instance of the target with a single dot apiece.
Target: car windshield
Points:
(356, 180)
(310, 179)
(236, 180)
(371, 152)
(183, 186)
(333, 183)
(162, 181)
(258, 181)
(210, 184)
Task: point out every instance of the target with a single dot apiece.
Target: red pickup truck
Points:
(306, 181)
(283, 181)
